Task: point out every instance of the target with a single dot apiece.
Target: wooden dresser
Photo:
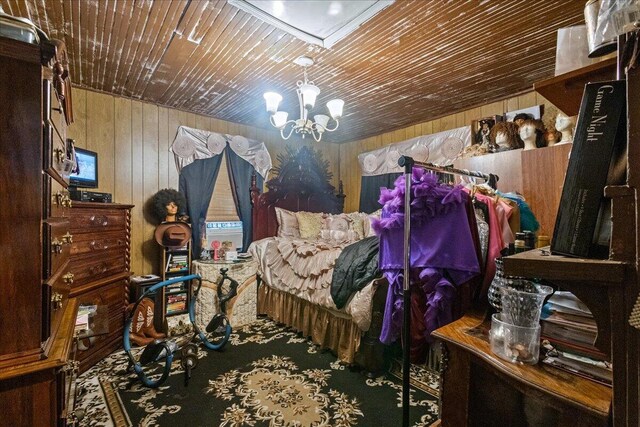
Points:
(100, 262)
(37, 316)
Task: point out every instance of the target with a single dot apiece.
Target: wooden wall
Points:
(350, 168)
(132, 139)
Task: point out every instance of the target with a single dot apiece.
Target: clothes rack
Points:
(408, 163)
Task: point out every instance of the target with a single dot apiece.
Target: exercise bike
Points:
(219, 329)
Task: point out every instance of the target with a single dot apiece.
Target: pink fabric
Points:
(504, 211)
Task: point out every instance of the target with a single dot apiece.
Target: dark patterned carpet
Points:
(266, 376)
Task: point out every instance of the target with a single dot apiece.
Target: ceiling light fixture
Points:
(307, 94)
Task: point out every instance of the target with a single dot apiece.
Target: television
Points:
(85, 174)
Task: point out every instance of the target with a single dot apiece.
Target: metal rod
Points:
(449, 169)
(407, 162)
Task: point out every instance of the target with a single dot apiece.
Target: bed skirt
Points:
(327, 328)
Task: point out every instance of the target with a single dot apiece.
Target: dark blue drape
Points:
(240, 172)
(196, 182)
(370, 190)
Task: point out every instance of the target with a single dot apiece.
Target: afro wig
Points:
(162, 198)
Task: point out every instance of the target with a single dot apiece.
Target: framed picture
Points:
(481, 128)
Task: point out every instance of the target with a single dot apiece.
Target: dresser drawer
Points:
(98, 243)
(57, 199)
(97, 220)
(56, 292)
(110, 299)
(57, 161)
(56, 245)
(89, 268)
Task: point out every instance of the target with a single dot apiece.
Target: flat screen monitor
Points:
(219, 232)
(86, 172)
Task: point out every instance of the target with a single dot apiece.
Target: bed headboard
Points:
(302, 184)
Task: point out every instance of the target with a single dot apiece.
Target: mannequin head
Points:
(565, 125)
(504, 136)
(519, 118)
(531, 133)
(168, 204)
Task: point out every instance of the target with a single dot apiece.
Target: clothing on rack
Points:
(444, 254)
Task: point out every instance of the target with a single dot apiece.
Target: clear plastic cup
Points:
(517, 344)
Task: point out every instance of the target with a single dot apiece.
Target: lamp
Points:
(307, 94)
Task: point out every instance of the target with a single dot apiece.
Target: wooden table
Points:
(480, 389)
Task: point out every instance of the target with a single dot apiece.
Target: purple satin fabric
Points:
(440, 240)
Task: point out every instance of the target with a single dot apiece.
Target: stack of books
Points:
(176, 303)
(569, 332)
(177, 262)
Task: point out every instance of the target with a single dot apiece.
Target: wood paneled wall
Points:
(350, 168)
(132, 139)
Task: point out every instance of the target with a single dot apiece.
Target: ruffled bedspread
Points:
(304, 268)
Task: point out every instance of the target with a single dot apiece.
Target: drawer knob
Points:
(67, 238)
(56, 246)
(99, 220)
(68, 278)
(56, 300)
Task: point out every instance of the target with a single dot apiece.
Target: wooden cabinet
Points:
(100, 263)
(37, 316)
(473, 379)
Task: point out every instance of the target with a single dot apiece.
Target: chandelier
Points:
(307, 94)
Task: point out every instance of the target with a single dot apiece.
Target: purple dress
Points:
(443, 252)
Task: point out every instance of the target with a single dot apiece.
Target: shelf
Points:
(565, 91)
(470, 334)
(535, 264)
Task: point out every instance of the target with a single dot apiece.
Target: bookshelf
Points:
(175, 298)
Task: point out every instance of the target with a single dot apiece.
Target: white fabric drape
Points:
(440, 148)
(193, 144)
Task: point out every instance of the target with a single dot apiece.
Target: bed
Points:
(295, 273)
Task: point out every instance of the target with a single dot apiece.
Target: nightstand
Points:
(240, 309)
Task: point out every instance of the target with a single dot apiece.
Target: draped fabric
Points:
(192, 144)
(196, 182)
(240, 172)
(370, 190)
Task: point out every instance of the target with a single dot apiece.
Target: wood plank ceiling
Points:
(415, 61)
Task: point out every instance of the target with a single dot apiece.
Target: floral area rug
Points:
(265, 376)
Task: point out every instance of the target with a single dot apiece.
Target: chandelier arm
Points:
(292, 128)
(316, 135)
(331, 130)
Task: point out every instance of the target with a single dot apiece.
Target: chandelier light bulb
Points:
(309, 94)
(280, 119)
(335, 107)
(273, 100)
(322, 121)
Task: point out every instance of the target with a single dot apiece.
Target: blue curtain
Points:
(196, 182)
(370, 190)
(240, 172)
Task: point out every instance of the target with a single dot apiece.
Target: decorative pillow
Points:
(353, 221)
(339, 235)
(357, 223)
(339, 222)
(310, 224)
(368, 230)
(287, 223)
